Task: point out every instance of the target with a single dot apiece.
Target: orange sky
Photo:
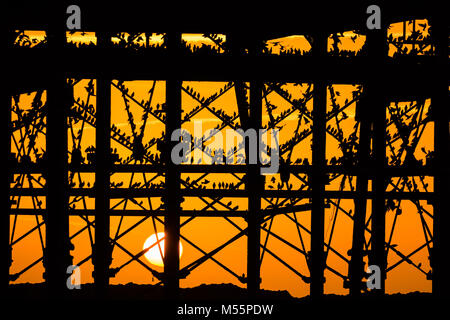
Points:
(209, 233)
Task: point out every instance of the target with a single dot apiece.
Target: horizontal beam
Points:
(162, 213)
(392, 171)
(123, 193)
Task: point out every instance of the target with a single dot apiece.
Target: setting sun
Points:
(156, 252)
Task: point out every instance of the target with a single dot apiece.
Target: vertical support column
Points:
(172, 198)
(5, 249)
(317, 263)
(441, 221)
(254, 186)
(254, 181)
(356, 266)
(376, 40)
(102, 249)
(57, 252)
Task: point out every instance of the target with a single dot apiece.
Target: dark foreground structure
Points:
(385, 180)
